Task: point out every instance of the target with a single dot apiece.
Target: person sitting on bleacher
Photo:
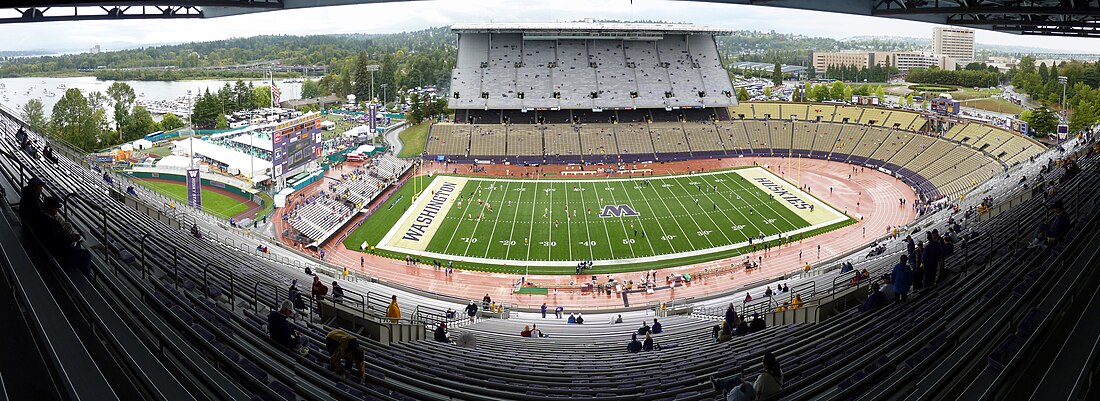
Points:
(318, 290)
(757, 324)
(617, 320)
(725, 333)
(337, 292)
(644, 330)
(648, 344)
(59, 237)
(536, 333)
(634, 345)
(572, 319)
(30, 199)
(767, 384)
(796, 302)
(580, 319)
(876, 299)
(344, 347)
(281, 332)
(742, 327)
(526, 332)
(441, 333)
(656, 327)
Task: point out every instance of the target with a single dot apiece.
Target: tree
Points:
(796, 95)
(416, 110)
(261, 96)
(1085, 116)
(777, 74)
(1042, 120)
(122, 95)
(811, 73)
(742, 95)
(97, 100)
(768, 91)
(836, 92)
(221, 122)
(138, 124)
(170, 122)
(880, 93)
(206, 111)
(311, 89)
(74, 122)
(35, 115)
(362, 78)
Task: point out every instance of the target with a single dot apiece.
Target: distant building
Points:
(905, 61)
(822, 60)
(94, 50)
(957, 43)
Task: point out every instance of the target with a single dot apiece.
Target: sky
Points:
(414, 15)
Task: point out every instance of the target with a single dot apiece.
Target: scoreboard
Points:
(295, 143)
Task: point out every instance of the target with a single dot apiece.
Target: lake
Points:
(14, 95)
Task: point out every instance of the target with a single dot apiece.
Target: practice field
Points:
(213, 202)
(633, 224)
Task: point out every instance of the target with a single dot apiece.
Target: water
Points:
(14, 95)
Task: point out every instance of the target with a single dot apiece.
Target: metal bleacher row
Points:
(196, 327)
(937, 167)
(508, 71)
(320, 217)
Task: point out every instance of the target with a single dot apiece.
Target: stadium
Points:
(591, 185)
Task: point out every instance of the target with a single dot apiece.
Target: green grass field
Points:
(995, 105)
(213, 203)
(413, 139)
(679, 220)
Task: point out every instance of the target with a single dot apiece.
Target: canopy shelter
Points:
(234, 161)
(258, 141)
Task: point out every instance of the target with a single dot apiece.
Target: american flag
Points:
(274, 94)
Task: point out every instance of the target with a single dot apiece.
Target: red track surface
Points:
(868, 194)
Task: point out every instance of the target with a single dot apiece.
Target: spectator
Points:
(294, 294)
(634, 345)
(731, 316)
(726, 333)
(656, 327)
(281, 332)
(572, 319)
(471, 310)
(648, 344)
(535, 332)
(441, 333)
(785, 288)
(1056, 230)
(318, 290)
(876, 299)
(767, 384)
(393, 312)
(796, 302)
(344, 347)
(486, 301)
(645, 329)
(30, 199)
(559, 311)
(902, 279)
(933, 257)
(526, 331)
(742, 328)
(59, 237)
(580, 319)
(748, 297)
(337, 291)
(544, 310)
(757, 324)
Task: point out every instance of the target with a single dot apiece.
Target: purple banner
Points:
(194, 189)
(371, 114)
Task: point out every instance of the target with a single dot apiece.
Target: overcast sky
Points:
(404, 16)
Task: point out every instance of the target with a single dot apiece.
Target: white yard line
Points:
(752, 190)
(652, 250)
(716, 226)
(672, 216)
(496, 220)
(697, 226)
(622, 221)
(477, 221)
(588, 231)
(531, 232)
(512, 232)
(606, 231)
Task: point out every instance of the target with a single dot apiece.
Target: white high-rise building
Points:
(957, 43)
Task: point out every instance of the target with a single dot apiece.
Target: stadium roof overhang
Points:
(1029, 17)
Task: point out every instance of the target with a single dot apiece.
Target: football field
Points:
(619, 224)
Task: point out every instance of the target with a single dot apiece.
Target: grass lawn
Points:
(160, 151)
(214, 203)
(413, 139)
(971, 94)
(994, 105)
(677, 220)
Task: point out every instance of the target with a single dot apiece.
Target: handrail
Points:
(206, 281)
(143, 238)
(256, 290)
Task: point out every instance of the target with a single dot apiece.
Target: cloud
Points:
(413, 15)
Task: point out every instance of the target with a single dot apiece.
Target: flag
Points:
(274, 95)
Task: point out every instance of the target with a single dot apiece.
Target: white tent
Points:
(360, 131)
(127, 147)
(173, 162)
(280, 198)
(247, 165)
(142, 144)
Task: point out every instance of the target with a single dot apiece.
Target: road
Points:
(394, 139)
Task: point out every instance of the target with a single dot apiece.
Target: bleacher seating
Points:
(319, 216)
(985, 325)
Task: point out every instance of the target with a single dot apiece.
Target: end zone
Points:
(421, 221)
